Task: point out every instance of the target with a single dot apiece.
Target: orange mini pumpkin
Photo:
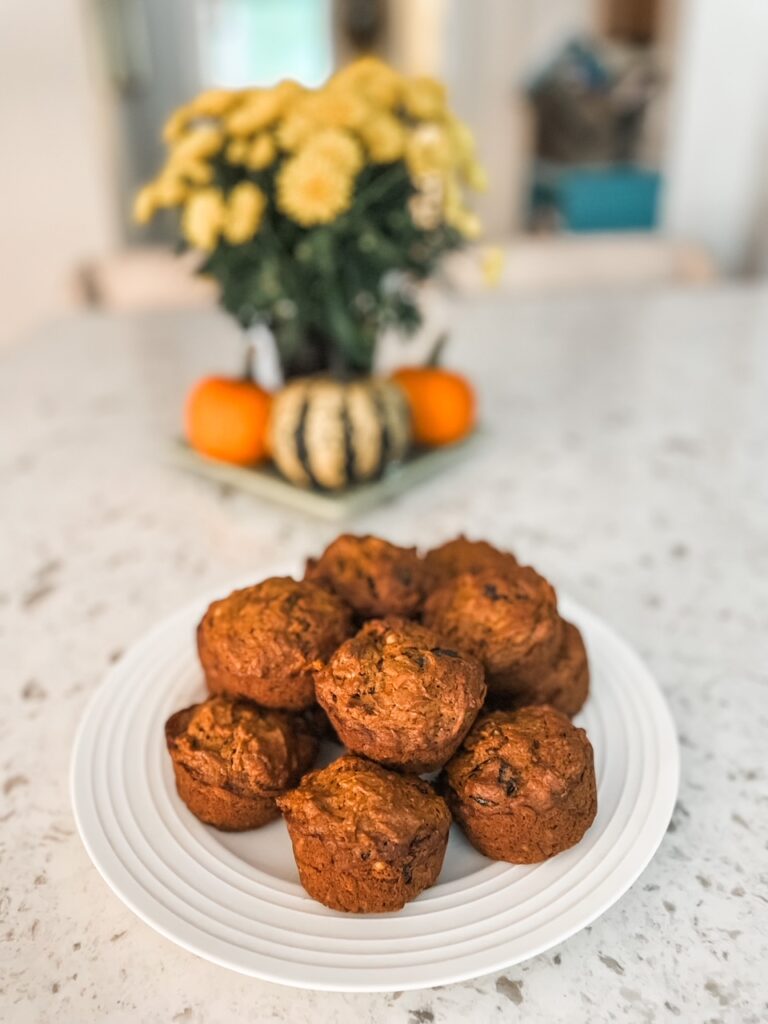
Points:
(442, 403)
(227, 419)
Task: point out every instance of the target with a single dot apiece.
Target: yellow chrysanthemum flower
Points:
(312, 191)
(244, 212)
(461, 137)
(428, 150)
(203, 218)
(176, 124)
(261, 152)
(377, 81)
(384, 138)
(197, 144)
(287, 90)
(145, 204)
(198, 172)
(333, 107)
(493, 265)
(338, 146)
(463, 144)
(214, 102)
(258, 109)
(170, 190)
(164, 192)
(456, 213)
(424, 98)
(237, 151)
(294, 129)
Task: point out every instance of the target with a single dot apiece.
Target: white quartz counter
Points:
(626, 455)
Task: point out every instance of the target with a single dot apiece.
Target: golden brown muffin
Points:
(564, 684)
(509, 621)
(267, 642)
(397, 694)
(374, 577)
(366, 840)
(522, 786)
(232, 759)
(460, 555)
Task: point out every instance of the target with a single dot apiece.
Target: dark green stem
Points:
(249, 365)
(436, 354)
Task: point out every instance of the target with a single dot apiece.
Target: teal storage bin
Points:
(608, 199)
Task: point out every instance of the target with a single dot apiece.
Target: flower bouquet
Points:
(316, 211)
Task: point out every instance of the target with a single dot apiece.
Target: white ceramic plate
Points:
(235, 899)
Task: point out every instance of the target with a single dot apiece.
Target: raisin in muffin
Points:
(509, 621)
(374, 577)
(366, 839)
(232, 759)
(564, 684)
(266, 642)
(522, 785)
(460, 555)
(397, 694)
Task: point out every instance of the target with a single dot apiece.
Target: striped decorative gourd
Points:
(331, 433)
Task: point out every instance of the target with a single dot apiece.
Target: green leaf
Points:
(328, 292)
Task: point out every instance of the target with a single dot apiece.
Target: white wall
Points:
(54, 200)
(717, 154)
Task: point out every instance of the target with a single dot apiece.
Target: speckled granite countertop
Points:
(626, 456)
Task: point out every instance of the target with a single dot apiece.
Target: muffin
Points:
(366, 840)
(374, 577)
(522, 786)
(397, 694)
(509, 621)
(564, 684)
(460, 555)
(232, 759)
(266, 642)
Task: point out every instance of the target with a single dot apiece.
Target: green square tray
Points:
(266, 482)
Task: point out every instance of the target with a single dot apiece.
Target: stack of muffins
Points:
(457, 662)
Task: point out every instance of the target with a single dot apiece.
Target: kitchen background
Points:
(626, 140)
